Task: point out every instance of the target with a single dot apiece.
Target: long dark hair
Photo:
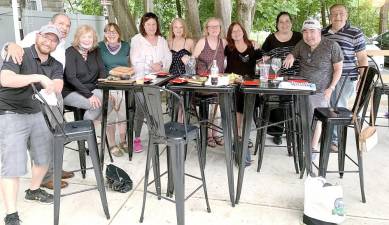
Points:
(281, 14)
(144, 19)
(231, 42)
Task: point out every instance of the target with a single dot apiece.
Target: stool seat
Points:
(177, 130)
(338, 115)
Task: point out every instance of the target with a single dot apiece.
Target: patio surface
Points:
(275, 196)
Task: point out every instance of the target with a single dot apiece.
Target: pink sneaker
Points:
(138, 145)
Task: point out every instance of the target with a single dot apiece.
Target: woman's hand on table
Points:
(95, 102)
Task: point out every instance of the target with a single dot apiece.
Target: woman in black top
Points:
(83, 67)
(280, 44)
(241, 54)
(181, 46)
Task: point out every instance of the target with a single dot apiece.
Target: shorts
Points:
(18, 133)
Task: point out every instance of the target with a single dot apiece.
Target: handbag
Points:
(117, 179)
(368, 137)
(323, 202)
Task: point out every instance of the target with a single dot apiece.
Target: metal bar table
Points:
(265, 89)
(228, 117)
(128, 88)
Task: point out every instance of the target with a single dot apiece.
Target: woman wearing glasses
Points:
(279, 45)
(114, 53)
(210, 48)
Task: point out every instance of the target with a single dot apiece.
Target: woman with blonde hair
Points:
(82, 69)
(209, 48)
(181, 46)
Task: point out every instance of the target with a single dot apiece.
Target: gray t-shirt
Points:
(317, 65)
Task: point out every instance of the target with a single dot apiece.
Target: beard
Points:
(45, 50)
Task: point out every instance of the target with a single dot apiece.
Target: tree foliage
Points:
(361, 13)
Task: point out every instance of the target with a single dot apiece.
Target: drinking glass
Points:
(264, 71)
(139, 72)
(276, 64)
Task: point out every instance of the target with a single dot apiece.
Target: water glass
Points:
(139, 72)
(264, 72)
(190, 67)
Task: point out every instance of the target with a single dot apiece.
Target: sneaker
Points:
(39, 195)
(12, 219)
(138, 145)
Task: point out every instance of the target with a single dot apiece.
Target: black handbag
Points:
(117, 179)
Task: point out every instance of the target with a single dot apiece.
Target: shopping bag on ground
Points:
(323, 202)
(117, 179)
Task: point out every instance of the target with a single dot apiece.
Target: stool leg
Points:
(360, 165)
(58, 160)
(263, 137)
(157, 172)
(178, 170)
(259, 131)
(326, 134)
(376, 103)
(202, 172)
(93, 152)
(203, 114)
(294, 137)
(342, 150)
(150, 155)
(81, 154)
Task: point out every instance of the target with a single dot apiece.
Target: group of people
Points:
(323, 56)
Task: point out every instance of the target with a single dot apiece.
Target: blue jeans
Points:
(347, 93)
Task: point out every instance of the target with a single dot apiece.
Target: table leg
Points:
(248, 112)
(225, 100)
(104, 125)
(306, 133)
(130, 114)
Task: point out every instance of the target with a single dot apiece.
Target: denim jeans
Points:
(347, 92)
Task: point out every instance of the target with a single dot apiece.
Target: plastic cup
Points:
(264, 72)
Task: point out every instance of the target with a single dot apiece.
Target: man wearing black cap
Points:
(22, 122)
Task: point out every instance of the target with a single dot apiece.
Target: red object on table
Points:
(161, 74)
(250, 82)
(273, 76)
(204, 74)
(178, 81)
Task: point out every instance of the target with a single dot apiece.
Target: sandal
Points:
(115, 151)
(124, 147)
(219, 140)
(211, 142)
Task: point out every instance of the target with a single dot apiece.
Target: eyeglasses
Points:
(337, 14)
(49, 38)
(111, 33)
(213, 27)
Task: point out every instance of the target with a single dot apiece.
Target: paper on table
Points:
(222, 81)
(51, 99)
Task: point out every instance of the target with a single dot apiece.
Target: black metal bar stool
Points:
(175, 135)
(344, 118)
(290, 121)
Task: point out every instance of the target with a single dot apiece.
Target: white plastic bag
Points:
(323, 201)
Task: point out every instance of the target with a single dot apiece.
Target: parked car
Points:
(382, 42)
(379, 60)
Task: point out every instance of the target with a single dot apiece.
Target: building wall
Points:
(47, 5)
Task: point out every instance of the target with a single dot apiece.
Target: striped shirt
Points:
(351, 41)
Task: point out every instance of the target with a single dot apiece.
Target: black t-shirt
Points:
(242, 63)
(81, 75)
(275, 48)
(20, 100)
